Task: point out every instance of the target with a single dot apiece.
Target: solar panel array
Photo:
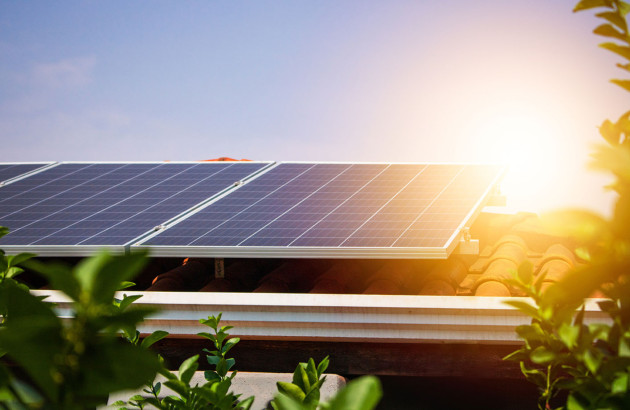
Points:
(108, 204)
(10, 171)
(289, 209)
(339, 205)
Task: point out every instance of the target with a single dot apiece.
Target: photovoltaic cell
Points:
(107, 203)
(339, 206)
(9, 171)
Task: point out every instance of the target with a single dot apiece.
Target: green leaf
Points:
(59, 275)
(306, 383)
(230, 344)
(583, 253)
(625, 84)
(283, 402)
(363, 393)
(620, 383)
(31, 336)
(591, 4)
(569, 334)
(541, 355)
(524, 307)
(311, 371)
(599, 331)
(101, 275)
(13, 272)
(534, 376)
(123, 320)
(230, 363)
(127, 301)
(517, 355)
(167, 374)
(222, 367)
(153, 338)
(322, 366)
(116, 366)
(607, 30)
(297, 377)
(291, 390)
(206, 335)
(574, 404)
(592, 360)
(245, 404)
(615, 19)
(211, 376)
(13, 260)
(312, 399)
(178, 387)
(213, 360)
(610, 132)
(188, 369)
(613, 160)
(530, 332)
(623, 51)
(212, 321)
(624, 346)
(125, 284)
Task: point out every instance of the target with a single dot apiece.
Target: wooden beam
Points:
(349, 359)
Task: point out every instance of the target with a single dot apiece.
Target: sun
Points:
(527, 141)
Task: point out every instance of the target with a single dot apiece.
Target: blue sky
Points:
(447, 81)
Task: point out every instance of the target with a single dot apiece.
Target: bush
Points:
(591, 363)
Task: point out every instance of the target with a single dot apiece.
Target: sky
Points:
(521, 83)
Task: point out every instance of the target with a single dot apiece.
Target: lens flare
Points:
(526, 141)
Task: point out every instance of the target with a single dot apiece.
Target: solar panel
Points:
(337, 210)
(9, 171)
(75, 206)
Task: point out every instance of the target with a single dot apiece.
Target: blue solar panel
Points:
(339, 206)
(106, 203)
(9, 171)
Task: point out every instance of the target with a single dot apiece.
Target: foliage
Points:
(9, 270)
(363, 393)
(76, 362)
(214, 394)
(307, 381)
(218, 357)
(304, 393)
(590, 362)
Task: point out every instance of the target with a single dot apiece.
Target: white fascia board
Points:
(333, 317)
(63, 250)
(294, 252)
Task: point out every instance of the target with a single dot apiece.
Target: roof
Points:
(427, 299)
(506, 241)
(363, 299)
